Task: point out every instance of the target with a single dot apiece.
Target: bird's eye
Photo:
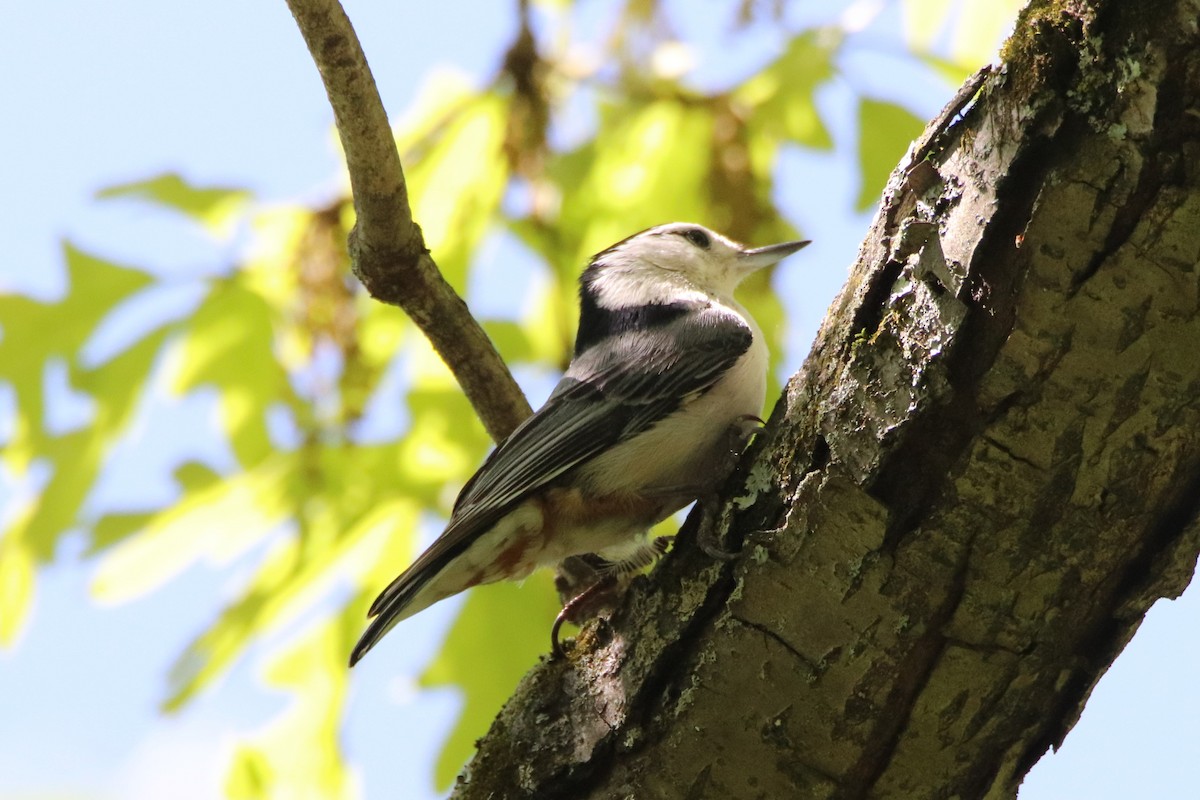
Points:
(697, 237)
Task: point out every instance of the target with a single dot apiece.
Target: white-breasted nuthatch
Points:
(666, 363)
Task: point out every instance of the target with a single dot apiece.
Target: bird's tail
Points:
(437, 573)
(405, 596)
(374, 632)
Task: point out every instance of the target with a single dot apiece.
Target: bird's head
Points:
(672, 262)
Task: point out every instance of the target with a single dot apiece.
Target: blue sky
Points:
(225, 93)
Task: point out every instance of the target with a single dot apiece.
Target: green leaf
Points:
(295, 574)
(511, 339)
(440, 98)
(456, 185)
(649, 164)
(75, 458)
(446, 441)
(198, 528)
(952, 72)
(228, 343)
(298, 754)
(117, 387)
(980, 28)
(970, 30)
(502, 630)
(34, 333)
(112, 529)
(382, 329)
(216, 207)
(17, 565)
(925, 21)
(885, 132)
(250, 776)
(781, 98)
(194, 475)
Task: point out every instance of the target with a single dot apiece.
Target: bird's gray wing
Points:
(608, 394)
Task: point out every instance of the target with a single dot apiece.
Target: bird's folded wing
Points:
(609, 394)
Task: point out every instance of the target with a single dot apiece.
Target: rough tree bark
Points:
(986, 472)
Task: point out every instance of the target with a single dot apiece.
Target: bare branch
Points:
(387, 251)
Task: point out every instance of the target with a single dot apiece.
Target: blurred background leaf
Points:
(884, 131)
(214, 207)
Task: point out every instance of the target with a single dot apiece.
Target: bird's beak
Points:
(759, 257)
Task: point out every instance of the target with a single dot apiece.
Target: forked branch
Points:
(387, 251)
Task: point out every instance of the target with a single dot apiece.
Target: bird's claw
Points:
(740, 432)
(711, 548)
(602, 580)
(582, 606)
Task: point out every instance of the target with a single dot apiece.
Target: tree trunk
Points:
(986, 472)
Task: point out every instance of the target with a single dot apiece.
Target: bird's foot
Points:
(740, 432)
(582, 606)
(707, 537)
(602, 582)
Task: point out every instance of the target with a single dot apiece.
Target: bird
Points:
(666, 364)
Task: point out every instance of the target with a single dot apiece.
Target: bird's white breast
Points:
(687, 448)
